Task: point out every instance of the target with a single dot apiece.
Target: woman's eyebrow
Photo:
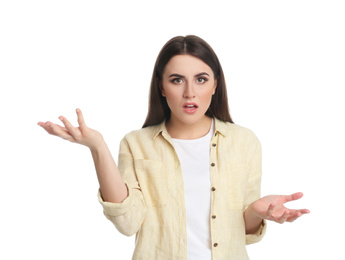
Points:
(201, 74)
(176, 75)
(181, 76)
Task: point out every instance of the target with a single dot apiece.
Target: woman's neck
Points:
(180, 130)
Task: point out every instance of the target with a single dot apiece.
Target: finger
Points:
(72, 130)
(58, 131)
(46, 126)
(61, 127)
(298, 214)
(49, 127)
(294, 217)
(42, 124)
(270, 210)
(284, 217)
(305, 211)
(294, 196)
(81, 121)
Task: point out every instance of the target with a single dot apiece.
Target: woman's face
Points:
(188, 85)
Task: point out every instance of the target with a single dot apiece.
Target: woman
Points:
(187, 183)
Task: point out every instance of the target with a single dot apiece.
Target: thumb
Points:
(294, 196)
(81, 121)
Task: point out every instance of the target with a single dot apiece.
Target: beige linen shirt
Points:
(155, 208)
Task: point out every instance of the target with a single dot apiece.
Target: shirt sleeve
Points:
(254, 189)
(128, 215)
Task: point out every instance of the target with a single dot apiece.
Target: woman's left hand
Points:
(272, 208)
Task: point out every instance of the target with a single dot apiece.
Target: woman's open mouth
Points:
(190, 108)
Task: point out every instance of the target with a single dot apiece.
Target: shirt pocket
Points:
(237, 175)
(153, 182)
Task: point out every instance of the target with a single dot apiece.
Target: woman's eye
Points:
(177, 80)
(201, 80)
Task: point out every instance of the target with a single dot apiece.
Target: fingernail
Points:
(61, 118)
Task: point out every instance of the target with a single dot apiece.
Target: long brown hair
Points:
(197, 47)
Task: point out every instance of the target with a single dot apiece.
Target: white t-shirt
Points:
(194, 156)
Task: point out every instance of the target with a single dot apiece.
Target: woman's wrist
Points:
(101, 146)
(252, 220)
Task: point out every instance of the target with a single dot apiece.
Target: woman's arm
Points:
(269, 207)
(112, 186)
(119, 194)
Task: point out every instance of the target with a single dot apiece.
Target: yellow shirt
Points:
(155, 208)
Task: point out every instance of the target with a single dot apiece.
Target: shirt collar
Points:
(219, 127)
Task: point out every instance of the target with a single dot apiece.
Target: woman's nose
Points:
(189, 91)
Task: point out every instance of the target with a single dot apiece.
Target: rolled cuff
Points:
(117, 209)
(258, 235)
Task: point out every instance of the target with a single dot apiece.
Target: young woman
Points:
(187, 183)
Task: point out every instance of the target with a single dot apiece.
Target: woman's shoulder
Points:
(239, 133)
(233, 129)
(145, 133)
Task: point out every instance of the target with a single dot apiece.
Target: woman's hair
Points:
(197, 47)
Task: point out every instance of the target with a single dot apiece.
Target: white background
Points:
(284, 64)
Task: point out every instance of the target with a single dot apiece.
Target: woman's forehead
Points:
(186, 64)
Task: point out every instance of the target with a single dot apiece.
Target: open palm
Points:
(272, 208)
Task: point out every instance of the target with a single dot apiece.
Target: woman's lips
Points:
(190, 108)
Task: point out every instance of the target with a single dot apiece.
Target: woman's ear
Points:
(215, 86)
(160, 85)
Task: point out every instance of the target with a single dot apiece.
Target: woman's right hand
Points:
(81, 135)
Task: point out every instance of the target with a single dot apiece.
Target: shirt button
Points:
(213, 164)
(213, 188)
(215, 244)
(214, 145)
(214, 216)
